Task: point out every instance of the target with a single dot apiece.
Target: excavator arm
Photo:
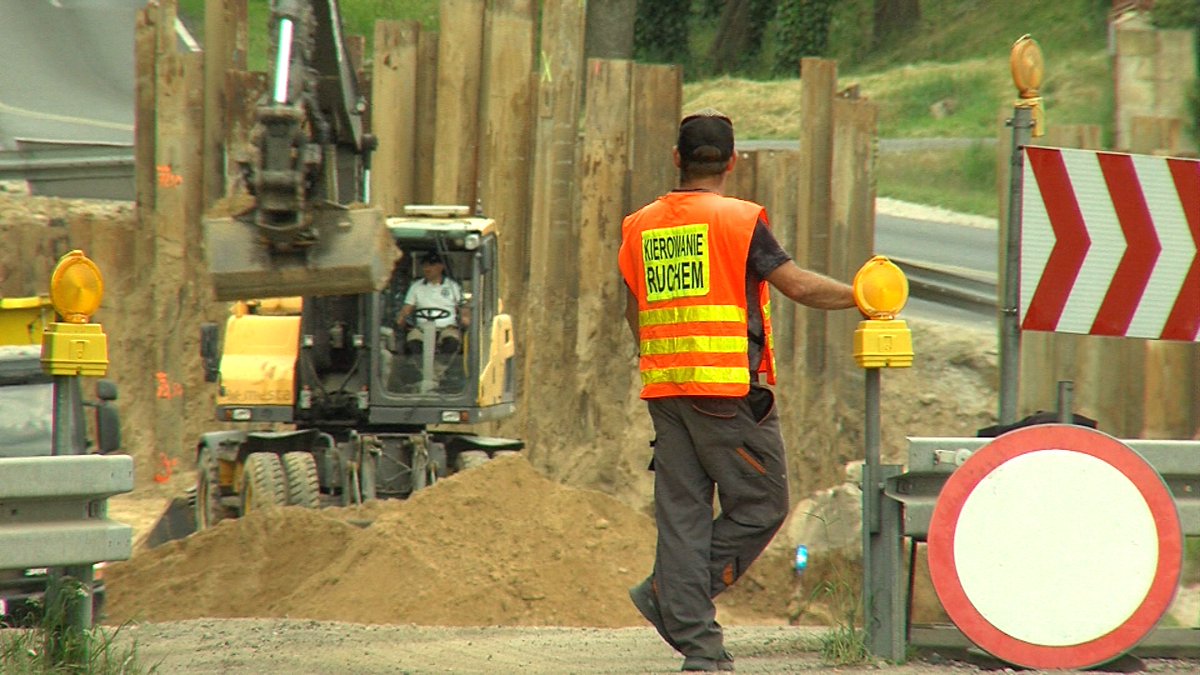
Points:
(308, 231)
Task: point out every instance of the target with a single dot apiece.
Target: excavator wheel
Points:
(469, 459)
(303, 483)
(263, 482)
(209, 510)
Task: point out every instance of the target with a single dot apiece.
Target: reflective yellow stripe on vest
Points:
(691, 314)
(695, 345)
(699, 374)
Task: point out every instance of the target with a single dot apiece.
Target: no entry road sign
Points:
(1055, 546)
(1110, 244)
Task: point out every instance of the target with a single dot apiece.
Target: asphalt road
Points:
(67, 70)
(942, 244)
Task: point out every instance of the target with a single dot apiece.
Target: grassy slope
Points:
(959, 55)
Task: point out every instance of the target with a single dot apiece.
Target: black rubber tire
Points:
(263, 483)
(303, 482)
(209, 509)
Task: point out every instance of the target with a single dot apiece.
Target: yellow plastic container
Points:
(22, 320)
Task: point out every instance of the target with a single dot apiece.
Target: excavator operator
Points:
(437, 298)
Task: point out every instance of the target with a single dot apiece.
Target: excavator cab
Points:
(450, 359)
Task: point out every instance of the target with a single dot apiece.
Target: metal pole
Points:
(1010, 330)
(1066, 392)
(883, 600)
(870, 502)
(67, 431)
(67, 438)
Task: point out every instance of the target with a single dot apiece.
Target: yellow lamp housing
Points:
(75, 346)
(881, 291)
(1025, 61)
(880, 288)
(883, 344)
(75, 349)
(76, 287)
(1028, 67)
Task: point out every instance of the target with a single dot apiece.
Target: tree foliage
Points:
(894, 18)
(660, 32)
(740, 33)
(802, 30)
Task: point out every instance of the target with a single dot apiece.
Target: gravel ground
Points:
(252, 646)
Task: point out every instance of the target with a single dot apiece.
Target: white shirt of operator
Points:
(446, 295)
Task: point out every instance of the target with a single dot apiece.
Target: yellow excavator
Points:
(331, 394)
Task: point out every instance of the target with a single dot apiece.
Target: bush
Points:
(802, 30)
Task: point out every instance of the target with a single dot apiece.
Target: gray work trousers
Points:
(733, 445)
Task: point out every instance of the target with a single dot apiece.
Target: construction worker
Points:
(439, 293)
(696, 265)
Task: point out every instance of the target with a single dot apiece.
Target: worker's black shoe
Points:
(707, 665)
(645, 598)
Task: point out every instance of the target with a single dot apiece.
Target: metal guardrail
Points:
(53, 510)
(932, 460)
(955, 286)
(73, 170)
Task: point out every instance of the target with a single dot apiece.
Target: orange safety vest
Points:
(684, 257)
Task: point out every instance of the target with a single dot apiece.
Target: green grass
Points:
(964, 30)
(358, 18)
(55, 647)
(962, 180)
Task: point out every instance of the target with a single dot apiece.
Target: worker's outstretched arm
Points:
(810, 288)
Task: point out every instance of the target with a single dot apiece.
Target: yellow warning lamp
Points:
(882, 340)
(75, 346)
(1025, 61)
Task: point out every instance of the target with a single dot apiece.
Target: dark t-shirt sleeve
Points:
(764, 256)
(765, 252)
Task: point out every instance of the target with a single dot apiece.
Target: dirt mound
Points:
(497, 545)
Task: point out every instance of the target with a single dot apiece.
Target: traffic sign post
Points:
(1025, 61)
(71, 348)
(881, 341)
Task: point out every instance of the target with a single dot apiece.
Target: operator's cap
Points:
(705, 137)
(432, 257)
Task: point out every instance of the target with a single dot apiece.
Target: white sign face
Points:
(1055, 546)
(1046, 529)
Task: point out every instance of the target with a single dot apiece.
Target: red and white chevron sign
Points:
(1110, 244)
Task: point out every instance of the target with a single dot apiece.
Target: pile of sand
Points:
(497, 545)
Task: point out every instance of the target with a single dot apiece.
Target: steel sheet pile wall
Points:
(170, 183)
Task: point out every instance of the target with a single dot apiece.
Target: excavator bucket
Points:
(177, 521)
(354, 253)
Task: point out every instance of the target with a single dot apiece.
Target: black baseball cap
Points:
(705, 138)
(432, 257)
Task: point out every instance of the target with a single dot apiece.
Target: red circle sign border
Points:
(942, 530)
